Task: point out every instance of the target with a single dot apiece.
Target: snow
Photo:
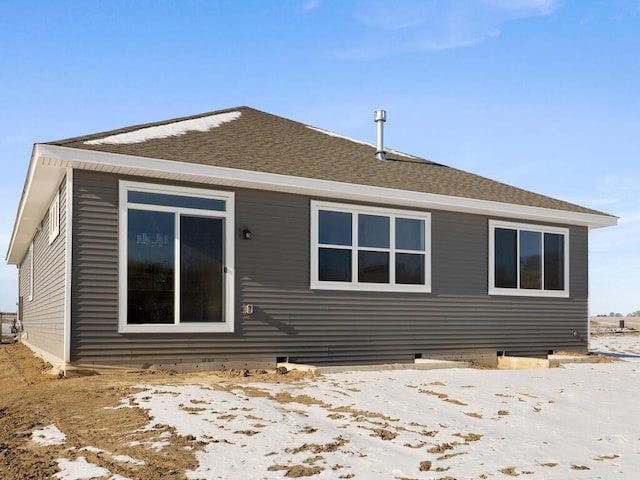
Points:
(202, 124)
(119, 458)
(617, 346)
(80, 469)
(577, 421)
(552, 423)
(49, 435)
(128, 459)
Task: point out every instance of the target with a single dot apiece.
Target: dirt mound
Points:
(86, 410)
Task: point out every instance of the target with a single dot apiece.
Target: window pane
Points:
(505, 258)
(410, 268)
(334, 228)
(201, 269)
(150, 267)
(334, 265)
(530, 259)
(167, 200)
(409, 234)
(373, 231)
(553, 261)
(373, 267)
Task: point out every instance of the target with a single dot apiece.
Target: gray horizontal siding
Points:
(43, 316)
(95, 270)
(290, 320)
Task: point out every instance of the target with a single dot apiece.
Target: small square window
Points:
(335, 265)
(373, 267)
(335, 228)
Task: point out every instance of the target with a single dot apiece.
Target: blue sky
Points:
(540, 94)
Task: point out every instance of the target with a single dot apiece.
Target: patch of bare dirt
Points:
(473, 414)
(469, 437)
(607, 457)
(456, 402)
(278, 375)
(443, 447)
(384, 434)
(319, 448)
(451, 455)
(85, 409)
(415, 445)
(297, 471)
(511, 471)
(442, 396)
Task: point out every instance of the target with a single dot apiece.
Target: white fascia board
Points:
(46, 156)
(41, 184)
(23, 200)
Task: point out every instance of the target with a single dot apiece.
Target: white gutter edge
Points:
(144, 166)
(25, 193)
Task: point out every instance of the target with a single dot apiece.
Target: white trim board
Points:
(52, 157)
(68, 265)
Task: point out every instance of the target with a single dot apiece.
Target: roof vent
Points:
(380, 116)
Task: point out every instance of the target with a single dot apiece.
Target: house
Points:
(239, 238)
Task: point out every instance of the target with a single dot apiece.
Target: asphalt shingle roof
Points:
(263, 142)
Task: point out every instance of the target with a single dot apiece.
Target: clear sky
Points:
(540, 94)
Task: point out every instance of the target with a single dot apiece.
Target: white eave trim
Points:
(41, 183)
(52, 156)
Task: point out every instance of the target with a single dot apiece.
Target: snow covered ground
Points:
(577, 421)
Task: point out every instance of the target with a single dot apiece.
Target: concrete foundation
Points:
(420, 364)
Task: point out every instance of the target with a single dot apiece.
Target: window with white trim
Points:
(369, 248)
(175, 259)
(54, 218)
(529, 260)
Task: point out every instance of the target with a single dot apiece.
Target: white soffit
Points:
(42, 182)
(51, 162)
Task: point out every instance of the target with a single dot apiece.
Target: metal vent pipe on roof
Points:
(380, 116)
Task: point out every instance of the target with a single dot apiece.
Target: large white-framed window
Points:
(176, 259)
(528, 260)
(357, 247)
(54, 218)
